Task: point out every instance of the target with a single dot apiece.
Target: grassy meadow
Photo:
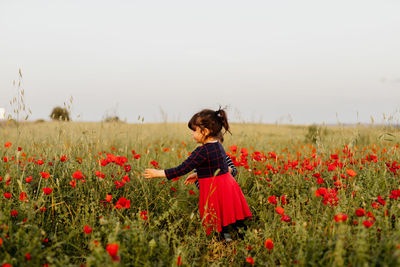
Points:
(72, 194)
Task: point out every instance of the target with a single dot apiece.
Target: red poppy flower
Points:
(381, 201)
(370, 215)
(360, 212)
(87, 229)
(395, 194)
(269, 244)
(272, 200)
(123, 203)
(73, 183)
(23, 196)
(286, 218)
(351, 173)
(47, 190)
(45, 175)
(341, 217)
(143, 215)
(250, 260)
(77, 175)
(99, 174)
(283, 199)
(331, 167)
(108, 198)
(368, 223)
(179, 261)
(28, 179)
(28, 256)
(137, 156)
(127, 168)
(7, 144)
(112, 250)
(39, 162)
(334, 156)
(375, 205)
(280, 210)
(14, 213)
(154, 163)
(321, 192)
(7, 195)
(192, 192)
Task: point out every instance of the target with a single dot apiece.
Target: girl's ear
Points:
(205, 132)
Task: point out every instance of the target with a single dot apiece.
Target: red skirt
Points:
(221, 202)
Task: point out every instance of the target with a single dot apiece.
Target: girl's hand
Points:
(153, 173)
(191, 179)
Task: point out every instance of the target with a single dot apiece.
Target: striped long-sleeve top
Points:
(208, 160)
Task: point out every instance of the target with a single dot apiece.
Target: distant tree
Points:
(59, 114)
(112, 119)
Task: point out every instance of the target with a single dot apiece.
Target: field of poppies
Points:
(73, 194)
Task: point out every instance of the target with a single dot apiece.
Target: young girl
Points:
(221, 201)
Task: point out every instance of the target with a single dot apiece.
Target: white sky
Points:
(311, 61)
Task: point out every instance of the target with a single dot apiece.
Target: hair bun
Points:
(218, 112)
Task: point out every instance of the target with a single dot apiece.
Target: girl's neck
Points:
(210, 140)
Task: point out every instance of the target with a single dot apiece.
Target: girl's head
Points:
(208, 124)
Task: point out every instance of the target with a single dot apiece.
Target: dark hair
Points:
(214, 121)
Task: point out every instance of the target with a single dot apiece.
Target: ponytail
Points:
(222, 116)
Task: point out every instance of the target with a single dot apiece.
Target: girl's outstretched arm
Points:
(194, 160)
(197, 157)
(153, 173)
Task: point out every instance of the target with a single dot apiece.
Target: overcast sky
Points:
(287, 61)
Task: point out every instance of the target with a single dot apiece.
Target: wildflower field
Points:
(73, 194)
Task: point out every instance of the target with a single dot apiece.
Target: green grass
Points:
(173, 227)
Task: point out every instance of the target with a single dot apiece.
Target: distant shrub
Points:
(11, 122)
(60, 113)
(315, 133)
(40, 121)
(112, 119)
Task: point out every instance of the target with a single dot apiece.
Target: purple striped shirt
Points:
(206, 159)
